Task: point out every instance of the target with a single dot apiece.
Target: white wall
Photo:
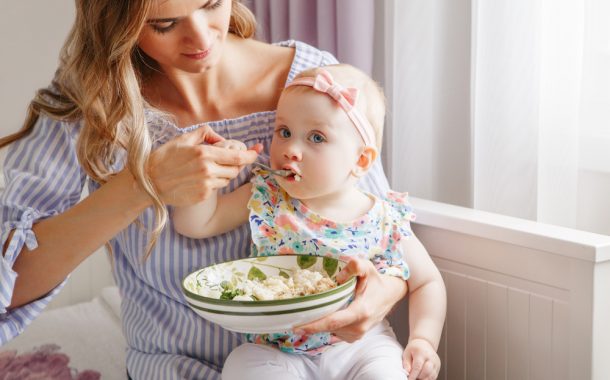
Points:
(427, 79)
(31, 34)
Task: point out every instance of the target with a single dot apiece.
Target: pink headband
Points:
(346, 97)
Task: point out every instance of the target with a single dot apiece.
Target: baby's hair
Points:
(371, 101)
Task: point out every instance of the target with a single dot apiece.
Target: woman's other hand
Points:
(189, 168)
(420, 360)
(376, 295)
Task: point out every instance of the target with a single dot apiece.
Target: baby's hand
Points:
(421, 360)
(231, 144)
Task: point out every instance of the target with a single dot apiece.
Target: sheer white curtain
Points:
(594, 155)
(502, 106)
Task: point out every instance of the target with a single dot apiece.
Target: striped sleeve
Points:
(307, 57)
(313, 57)
(43, 178)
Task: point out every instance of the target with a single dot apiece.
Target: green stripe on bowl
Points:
(260, 313)
(240, 309)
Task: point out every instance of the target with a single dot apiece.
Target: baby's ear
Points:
(365, 161)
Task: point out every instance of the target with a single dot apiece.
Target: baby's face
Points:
(316, 140)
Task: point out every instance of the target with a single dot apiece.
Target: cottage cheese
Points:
(302, 283)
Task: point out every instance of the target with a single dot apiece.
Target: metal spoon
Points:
(281, 173)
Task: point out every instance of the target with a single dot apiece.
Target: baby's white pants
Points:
(377, 356)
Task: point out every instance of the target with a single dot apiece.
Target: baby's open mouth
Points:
(292, 173)
(295, 176)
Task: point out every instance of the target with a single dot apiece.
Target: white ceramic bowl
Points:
(202, 290)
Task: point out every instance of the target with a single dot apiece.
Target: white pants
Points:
(377, 356)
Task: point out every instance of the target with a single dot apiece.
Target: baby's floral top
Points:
(283, 225)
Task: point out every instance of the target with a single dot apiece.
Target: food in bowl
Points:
(302, 282)
(255, 295)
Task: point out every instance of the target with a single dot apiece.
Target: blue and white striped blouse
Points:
(165, 339)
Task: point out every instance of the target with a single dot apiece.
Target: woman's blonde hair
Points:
(99, 82)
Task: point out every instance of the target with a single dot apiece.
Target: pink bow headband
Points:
(346, 97)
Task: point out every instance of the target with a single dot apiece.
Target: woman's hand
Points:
(189, 168)
(237, 145)
(420, 360)
(231, 144)
(376, 295)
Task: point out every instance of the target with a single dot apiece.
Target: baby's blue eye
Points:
(284, 133)
(317, 138)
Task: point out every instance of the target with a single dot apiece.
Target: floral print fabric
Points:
(283, 225)
(45, 362)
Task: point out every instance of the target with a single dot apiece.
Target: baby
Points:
(326, 137)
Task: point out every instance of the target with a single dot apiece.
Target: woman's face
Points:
(187, 35)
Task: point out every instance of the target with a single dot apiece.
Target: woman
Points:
(142, 89)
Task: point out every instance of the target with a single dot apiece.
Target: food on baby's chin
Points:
(297, 178)
(302, 283)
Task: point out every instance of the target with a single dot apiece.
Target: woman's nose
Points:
(197, 35)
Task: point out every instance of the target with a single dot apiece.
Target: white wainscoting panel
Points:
(525, 301)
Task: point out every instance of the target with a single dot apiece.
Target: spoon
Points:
(281, 173)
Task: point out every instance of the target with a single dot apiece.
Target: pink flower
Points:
(313, 225)
(383, 244)
(286, 222)
(398, 197)
(396, 235)
(265, 230)
(45, 362)
(285, 251)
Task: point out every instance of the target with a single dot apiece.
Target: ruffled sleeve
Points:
(401, 208)
(43, 178)
(396, 220)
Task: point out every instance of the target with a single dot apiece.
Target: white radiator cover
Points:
(525, 300)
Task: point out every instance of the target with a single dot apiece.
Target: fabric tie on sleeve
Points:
(23, 229)
(23, 234)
